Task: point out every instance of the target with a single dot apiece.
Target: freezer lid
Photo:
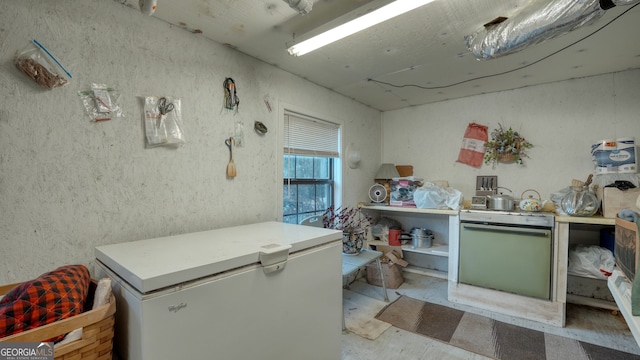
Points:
(152, 264)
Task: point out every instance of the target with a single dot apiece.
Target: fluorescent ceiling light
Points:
(377, 16)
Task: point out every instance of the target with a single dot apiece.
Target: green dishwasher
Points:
(507, 257)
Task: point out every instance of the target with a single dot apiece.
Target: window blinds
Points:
(312, 137)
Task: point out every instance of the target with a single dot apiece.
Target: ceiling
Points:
(423, 53)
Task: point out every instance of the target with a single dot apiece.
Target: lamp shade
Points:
(387, 171)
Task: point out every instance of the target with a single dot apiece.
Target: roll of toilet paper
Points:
(614, 156)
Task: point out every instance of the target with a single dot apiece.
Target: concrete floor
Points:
(597, 326)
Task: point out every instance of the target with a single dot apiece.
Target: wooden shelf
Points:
(596, 220)
(410, 210)
(427, 272)
(436, 249)
(597, 303)
(442, 255)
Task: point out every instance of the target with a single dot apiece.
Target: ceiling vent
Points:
(303, 7)
(539, 21)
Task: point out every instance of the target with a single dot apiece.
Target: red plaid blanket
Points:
(52, 296)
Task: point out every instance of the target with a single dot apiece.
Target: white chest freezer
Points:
(262, 291)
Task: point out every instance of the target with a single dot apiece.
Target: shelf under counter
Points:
(435, 249)
(576, 289)
(427, 272)
(441, 258)
(590, 291)
(439, 250)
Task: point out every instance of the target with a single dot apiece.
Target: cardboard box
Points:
(626, 247)
(402, 192)
(613, 200)
(392, 275)
(391, 253)
(391, 263)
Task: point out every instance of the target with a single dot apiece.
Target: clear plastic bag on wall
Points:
(101, 103)
(41, 66)
(163, 121)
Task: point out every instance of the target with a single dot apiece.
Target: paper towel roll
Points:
(614, 156)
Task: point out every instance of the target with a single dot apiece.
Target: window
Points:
(310, 153)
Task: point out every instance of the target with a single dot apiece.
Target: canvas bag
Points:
(472, 149)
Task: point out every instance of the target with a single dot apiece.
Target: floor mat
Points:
(360, 312)
(489, 337)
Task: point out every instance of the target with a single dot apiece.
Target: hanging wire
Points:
(508, 71)
(290, 169)
(231, 99)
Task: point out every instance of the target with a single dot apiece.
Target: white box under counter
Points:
(568, 230)
(572, 230)
(549, 310)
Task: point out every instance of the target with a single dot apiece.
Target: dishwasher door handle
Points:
(508, 229)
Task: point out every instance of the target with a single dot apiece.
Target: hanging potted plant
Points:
(353, 223)
(506, 146)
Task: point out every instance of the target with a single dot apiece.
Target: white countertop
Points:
(411, 209)
(596, 219)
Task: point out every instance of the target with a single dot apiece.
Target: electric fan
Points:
(377, 194)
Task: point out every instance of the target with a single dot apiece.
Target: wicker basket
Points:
(97, 333)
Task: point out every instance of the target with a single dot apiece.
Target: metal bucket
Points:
(421, 241)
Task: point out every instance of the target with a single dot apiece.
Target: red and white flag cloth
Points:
(472, 149)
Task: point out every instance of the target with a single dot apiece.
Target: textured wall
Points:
(561, 120)
(68, 185)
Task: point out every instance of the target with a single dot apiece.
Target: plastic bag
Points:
(101, 103)
(432, 196)
(381, 229)
(557, 197)
(472, 149)
(591, 261)
(163, 121)
(41, 66)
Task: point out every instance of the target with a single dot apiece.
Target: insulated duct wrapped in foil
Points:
(539, 21)
(303, 7)
(623, 2)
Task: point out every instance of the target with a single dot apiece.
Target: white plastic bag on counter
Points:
(557, 197)
(432, 196)
(591, 261)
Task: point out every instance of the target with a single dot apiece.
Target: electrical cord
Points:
(354, 279)
(231, 99)
(508, 71)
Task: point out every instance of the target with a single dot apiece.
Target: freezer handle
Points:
(273, 257)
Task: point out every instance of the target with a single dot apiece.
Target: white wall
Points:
(68, 185)
(561, 120)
